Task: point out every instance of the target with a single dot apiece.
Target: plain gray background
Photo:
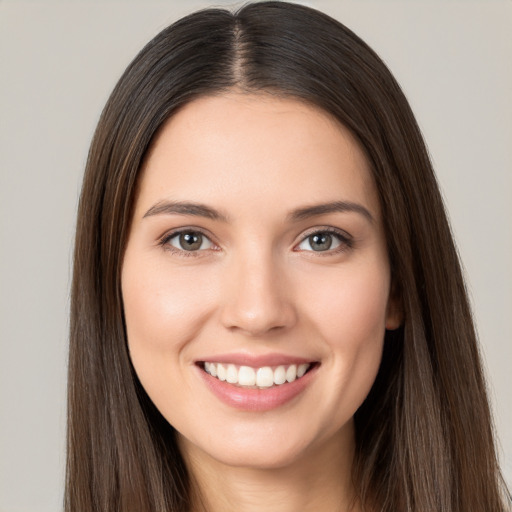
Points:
(59, 62)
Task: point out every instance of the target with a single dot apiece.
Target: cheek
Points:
(163, 311)
(349, 313)
(349, 306)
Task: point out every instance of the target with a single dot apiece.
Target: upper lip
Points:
(256, 361)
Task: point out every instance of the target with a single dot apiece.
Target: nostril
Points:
(255, 319)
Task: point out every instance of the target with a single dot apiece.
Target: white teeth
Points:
(246, 376)
(221, 371)
(291, 373)
(232, 374)
(264, 377)
(301, 370)
(280, 375)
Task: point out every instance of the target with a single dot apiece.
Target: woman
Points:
(268, 311)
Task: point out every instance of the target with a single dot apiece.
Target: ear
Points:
(394, 309)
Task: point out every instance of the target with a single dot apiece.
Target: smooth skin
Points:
(226, 255)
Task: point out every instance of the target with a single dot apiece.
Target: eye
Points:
(189, 241)
(323, 241)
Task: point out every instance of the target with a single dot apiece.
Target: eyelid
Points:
(345, 238)
(163, 241)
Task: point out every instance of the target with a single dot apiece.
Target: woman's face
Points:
(256, 253)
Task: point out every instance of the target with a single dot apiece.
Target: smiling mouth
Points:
(263, 377)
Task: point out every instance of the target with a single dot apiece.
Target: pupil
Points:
(320, 241)
(191, 241)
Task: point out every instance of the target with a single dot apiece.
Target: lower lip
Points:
(257, 400)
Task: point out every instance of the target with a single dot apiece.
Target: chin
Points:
(271, 448)
(252, 456)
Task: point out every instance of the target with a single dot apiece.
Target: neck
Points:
(319, 480)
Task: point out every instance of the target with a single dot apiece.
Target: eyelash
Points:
(346, 241)
(164, 242)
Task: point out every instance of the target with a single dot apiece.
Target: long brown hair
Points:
(424, 439)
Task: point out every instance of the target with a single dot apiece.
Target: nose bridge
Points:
(258, 299)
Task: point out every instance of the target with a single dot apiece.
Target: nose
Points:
(257, 299)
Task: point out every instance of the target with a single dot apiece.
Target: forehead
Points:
(260, 150)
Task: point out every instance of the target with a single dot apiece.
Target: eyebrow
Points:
(185, 208)
(201, 210)
(332, 207)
